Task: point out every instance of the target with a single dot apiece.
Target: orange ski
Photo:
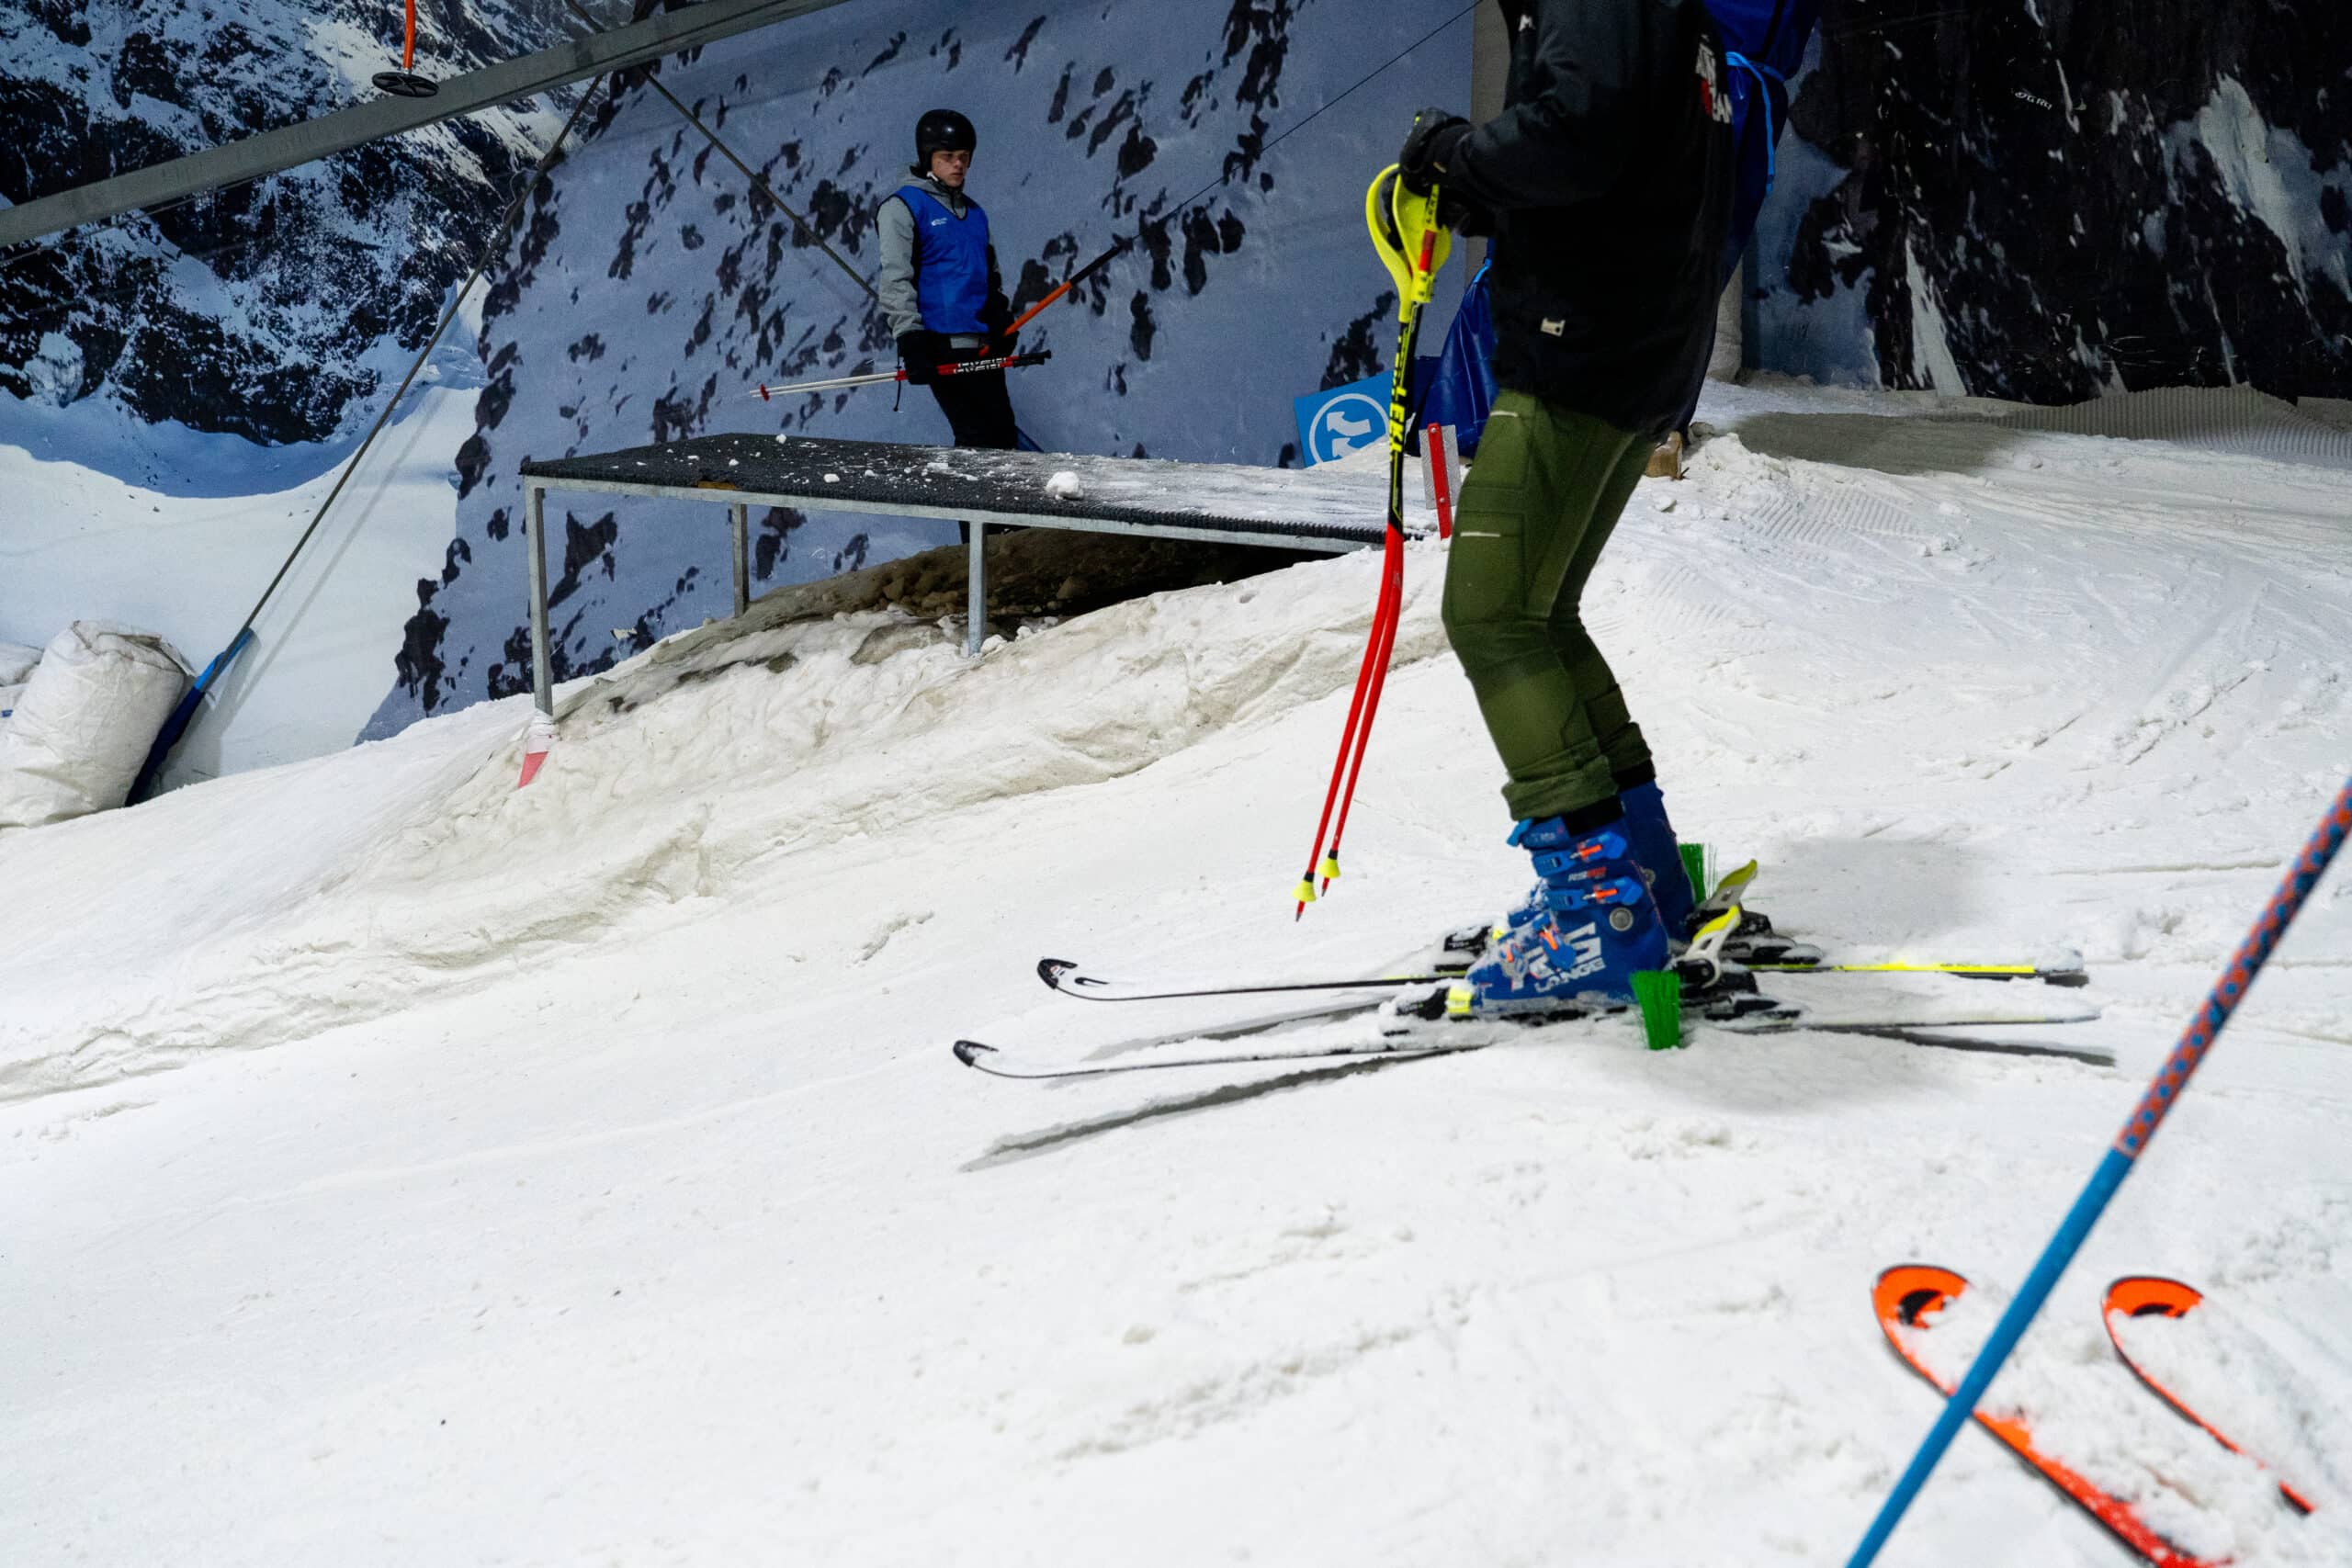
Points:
(1908, 1298)
(2147, 1295)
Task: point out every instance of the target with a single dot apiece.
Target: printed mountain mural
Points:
(654, 291)
(277, 311)
(2037, 200)
(2045, 201)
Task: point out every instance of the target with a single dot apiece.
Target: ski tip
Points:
(967, 1050)
(1051, 970)
(2151, 1295)
(1909, 1292)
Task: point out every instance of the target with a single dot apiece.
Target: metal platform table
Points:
(1328, 509)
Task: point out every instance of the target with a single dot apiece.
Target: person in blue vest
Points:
(939, 284)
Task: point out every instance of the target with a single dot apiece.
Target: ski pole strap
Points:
(2231, 988)
(1765, 76)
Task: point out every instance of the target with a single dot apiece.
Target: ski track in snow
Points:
(579, 1172)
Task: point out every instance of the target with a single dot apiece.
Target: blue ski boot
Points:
(1597, 927)
(1658, 853)
(1654, 850)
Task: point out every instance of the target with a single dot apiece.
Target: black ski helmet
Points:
(942, 130)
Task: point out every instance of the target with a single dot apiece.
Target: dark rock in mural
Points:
(2032, 199)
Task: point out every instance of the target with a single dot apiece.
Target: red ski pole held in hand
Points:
(1406, 231)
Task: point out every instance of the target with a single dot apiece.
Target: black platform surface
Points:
(1342, 505)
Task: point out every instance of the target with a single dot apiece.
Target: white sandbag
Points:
(82, 727)
(16, 662)
(8, 695)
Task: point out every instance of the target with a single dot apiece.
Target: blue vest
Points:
(950, 261)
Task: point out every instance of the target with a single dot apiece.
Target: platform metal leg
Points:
(740, 516)
(535, 545)
(977, 611)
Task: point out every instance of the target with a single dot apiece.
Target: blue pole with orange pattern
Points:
(2138, 1133)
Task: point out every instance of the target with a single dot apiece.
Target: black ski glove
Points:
(1428, 159)
(1429, 149)
(923, 354)
(996, 316)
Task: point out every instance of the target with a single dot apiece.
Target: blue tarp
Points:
(1463, 388)
(1764, 43)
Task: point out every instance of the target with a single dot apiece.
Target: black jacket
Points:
(1610, 175)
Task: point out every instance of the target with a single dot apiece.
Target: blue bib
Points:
(950, 261)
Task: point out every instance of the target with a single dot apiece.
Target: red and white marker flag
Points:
(537, 742)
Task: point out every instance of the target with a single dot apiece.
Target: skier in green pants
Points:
(1606, 182)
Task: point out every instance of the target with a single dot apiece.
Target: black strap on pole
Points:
(184, 714)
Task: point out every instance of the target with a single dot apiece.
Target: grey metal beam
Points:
(976, 590)
(577, 61)
(534, 540)
(739, 529)
(1337, 540)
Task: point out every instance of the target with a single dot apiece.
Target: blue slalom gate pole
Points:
(2163, 1094)
(184, 713)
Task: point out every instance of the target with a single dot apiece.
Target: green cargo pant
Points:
(1539, 503)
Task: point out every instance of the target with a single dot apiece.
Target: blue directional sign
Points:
(1341, 419)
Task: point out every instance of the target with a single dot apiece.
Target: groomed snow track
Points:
(607, 1190)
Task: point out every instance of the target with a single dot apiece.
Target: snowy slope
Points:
(434, 1171)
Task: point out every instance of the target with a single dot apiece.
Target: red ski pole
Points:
(1072, 281)
(1305, 891)
(1413, 270)
(1393, 606)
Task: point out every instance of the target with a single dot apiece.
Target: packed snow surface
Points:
(408, 1167)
